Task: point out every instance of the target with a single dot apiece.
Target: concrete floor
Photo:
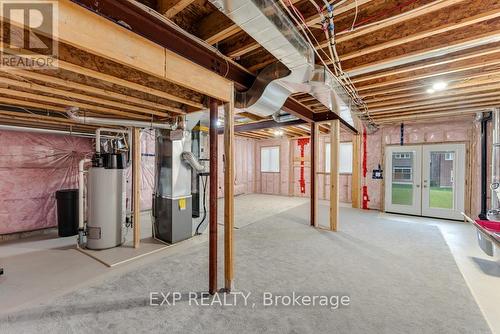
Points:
(40, 270)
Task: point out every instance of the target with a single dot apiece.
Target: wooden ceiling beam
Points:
(103, 93)
(429, 98)
(430, 115)
(490, 33)
(434, 73)
(9, 83)
(430, 64)
(440, 107)
(170, 8)
(480, 78)
(423, 96)
(386, 40)
(83, 30)
(69, 103)
(437, 103)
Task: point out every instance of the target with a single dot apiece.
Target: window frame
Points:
(326, 164)
(279, 158)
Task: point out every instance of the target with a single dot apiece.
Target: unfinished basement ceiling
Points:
(394, 51)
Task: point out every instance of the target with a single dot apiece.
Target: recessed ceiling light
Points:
(430, 91)
(440, 85)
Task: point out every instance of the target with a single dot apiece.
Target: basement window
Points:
(270, 159)
(345, 158)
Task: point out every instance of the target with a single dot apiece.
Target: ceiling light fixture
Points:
(440, 85)
(278, 133)
(430, 90)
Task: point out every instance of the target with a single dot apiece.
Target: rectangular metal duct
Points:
(265, 21)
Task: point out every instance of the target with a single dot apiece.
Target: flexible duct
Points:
(191, 160)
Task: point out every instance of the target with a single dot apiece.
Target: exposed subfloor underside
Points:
(400, 277)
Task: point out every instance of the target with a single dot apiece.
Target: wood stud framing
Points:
(229, 194)
(334, 173)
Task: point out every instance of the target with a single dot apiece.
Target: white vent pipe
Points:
(119, 122)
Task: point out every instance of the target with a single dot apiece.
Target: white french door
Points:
(427, 180)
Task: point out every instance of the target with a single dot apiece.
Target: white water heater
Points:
(106, 207)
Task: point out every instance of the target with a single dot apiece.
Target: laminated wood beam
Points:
(83, 30)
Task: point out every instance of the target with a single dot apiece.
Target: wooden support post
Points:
(314, 150)
(228, 193)
(136, 184)
(356, 167)
(334, 173)
(212, 241)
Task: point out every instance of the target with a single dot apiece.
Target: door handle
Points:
(425, 186)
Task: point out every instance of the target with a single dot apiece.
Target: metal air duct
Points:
(295, 72)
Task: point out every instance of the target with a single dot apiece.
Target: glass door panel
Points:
(403, 192)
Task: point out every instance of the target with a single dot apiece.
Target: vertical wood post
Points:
(228, 193)
(136, 184)
(314, 146)
(334, 173)
(356, 167)
(212, 240)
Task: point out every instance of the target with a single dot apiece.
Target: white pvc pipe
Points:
(48, 131)
(81, 185)
(119, 122)
(98, 136)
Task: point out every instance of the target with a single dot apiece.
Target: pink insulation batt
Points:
(32, 168)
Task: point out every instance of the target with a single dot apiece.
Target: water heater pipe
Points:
(81, 185)
(98, 136)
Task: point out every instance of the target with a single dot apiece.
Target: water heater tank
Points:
(106, 207)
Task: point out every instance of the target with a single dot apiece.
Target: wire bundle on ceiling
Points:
(326, 14)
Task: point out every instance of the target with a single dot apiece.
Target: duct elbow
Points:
(191, 160)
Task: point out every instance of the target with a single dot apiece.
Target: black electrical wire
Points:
(204, 203)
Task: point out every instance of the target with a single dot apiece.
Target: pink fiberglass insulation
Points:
(32, 168)
(244, 165)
